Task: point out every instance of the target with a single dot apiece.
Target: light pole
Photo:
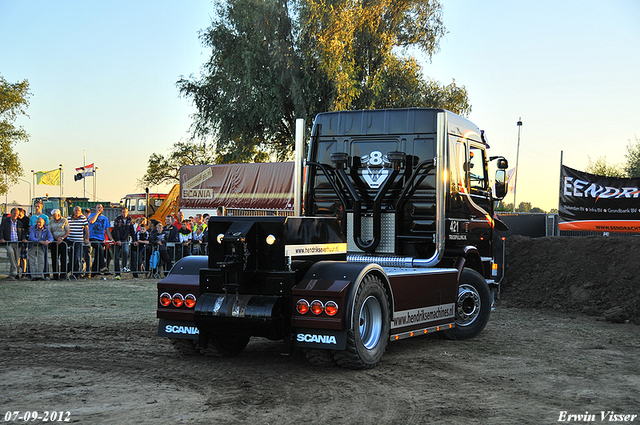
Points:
(27, 182)
(33, 180)
(61, 180)
(515, 181)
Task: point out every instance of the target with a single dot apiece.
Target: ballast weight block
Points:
(251, 315)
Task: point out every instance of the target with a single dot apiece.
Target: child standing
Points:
(141, 249)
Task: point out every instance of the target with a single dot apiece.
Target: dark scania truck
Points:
(395, 240)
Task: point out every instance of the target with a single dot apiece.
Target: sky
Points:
(102, 77)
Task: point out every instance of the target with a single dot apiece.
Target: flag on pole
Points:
(86, 171)
(50, 178)
(511, 181)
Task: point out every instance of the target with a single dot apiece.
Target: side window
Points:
(477, 172)
(457, 172)
(142, 204)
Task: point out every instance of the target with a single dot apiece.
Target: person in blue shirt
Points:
(32, 223)
(98, 231)
(38, 214)
(39, 238)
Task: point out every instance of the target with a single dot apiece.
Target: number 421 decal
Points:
(454, 231)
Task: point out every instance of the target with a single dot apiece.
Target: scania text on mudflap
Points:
(395, 239)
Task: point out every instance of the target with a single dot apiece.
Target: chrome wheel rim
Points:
(468, 305)
(370, 322)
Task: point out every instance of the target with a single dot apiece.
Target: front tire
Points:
(367, 339)
(473, 306)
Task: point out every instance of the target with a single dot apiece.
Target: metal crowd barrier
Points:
(35, 261)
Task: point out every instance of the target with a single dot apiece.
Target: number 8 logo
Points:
(375, 158)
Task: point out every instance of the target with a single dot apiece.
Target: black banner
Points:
(597, 203)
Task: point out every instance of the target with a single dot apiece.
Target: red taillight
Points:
(165, 299)
(331, 308)
(316, 307)
(190, 300)
(302, 306)
(177, 299)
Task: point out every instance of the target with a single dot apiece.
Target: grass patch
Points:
(87, 300)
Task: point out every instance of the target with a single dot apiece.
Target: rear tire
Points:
(225, 345)
(367, 339)
(319, 357)
(186, 347)
(473, 306)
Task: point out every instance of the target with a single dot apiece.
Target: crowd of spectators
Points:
(83, 244)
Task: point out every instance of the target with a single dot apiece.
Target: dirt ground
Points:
(594, 275)
(89, 349)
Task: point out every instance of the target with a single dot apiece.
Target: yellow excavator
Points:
(168, 206)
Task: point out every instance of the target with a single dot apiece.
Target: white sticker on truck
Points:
(423, 315)
(315, 249)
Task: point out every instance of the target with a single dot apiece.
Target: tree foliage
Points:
(524, 207)
(252, 88)
(14, 100)
(504, 207)
(357, 45)
(600, 167)
(166, 169)
(632, 166)
(273, 61)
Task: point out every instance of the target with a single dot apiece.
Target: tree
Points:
(14, 100)
(524, 207)
(273, 61)
(632, 167)
(254, 84)
(504, 207)
(166, 169)
(356, 45)
(600, 167)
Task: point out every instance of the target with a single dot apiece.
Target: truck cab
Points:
(414, 183)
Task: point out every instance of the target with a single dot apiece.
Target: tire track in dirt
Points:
(524, 368)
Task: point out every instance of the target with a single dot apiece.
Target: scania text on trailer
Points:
(395, 240)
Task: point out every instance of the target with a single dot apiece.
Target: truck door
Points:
(479, 199)
(469, 208)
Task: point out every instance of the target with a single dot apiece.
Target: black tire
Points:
(473, 306)
(367, 339)
(225, 345)
(186, 347)
(319, 357)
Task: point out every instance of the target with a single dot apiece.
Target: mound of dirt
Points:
(595, 275)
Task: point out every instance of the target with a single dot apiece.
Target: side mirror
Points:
(501, 183)
(502, 163)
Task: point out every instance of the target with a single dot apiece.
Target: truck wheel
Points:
(473, 306)
(225, 345)
(367, 339)
(186, 347)
(319, 357)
